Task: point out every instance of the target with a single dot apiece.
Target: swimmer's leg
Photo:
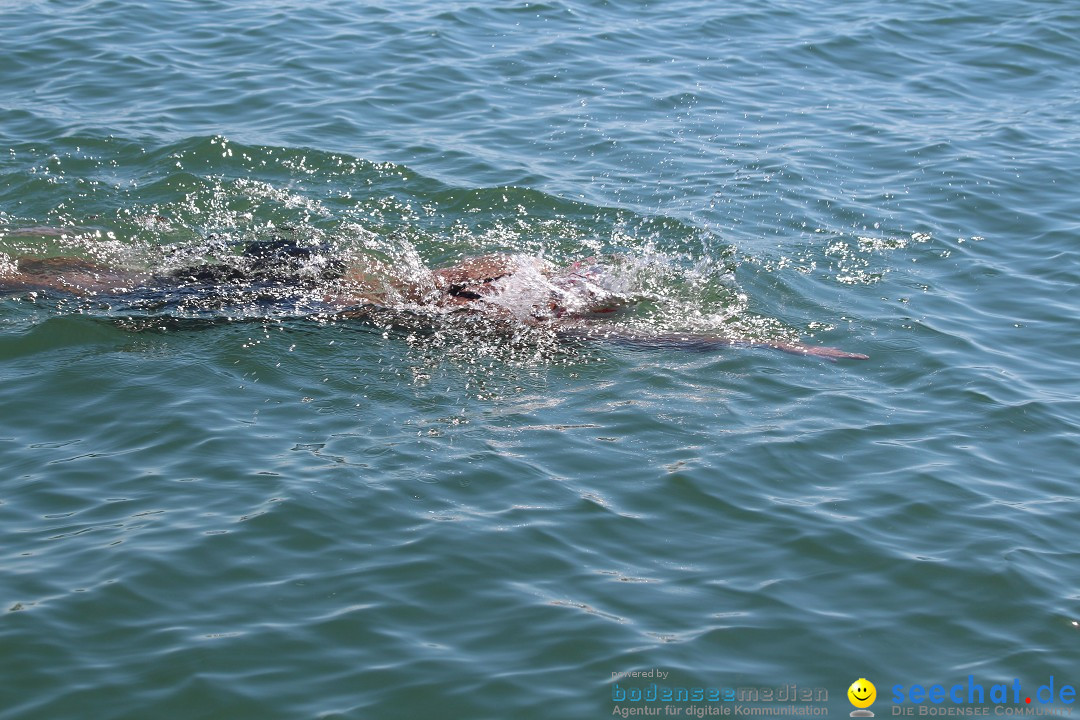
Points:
(65, 274)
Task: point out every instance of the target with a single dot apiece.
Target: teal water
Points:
(246, 511)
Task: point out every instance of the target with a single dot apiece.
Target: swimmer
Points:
(517, 289)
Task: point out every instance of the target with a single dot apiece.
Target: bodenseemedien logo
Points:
(862, 695)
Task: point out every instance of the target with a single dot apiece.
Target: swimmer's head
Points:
(285, 259)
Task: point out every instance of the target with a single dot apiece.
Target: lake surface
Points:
(241, 510)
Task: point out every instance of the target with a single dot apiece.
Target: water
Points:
(246, 510)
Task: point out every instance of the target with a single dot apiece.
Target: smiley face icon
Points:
(862, 694)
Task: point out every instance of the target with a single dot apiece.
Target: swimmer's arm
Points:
(690, 341)
(829, 353)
